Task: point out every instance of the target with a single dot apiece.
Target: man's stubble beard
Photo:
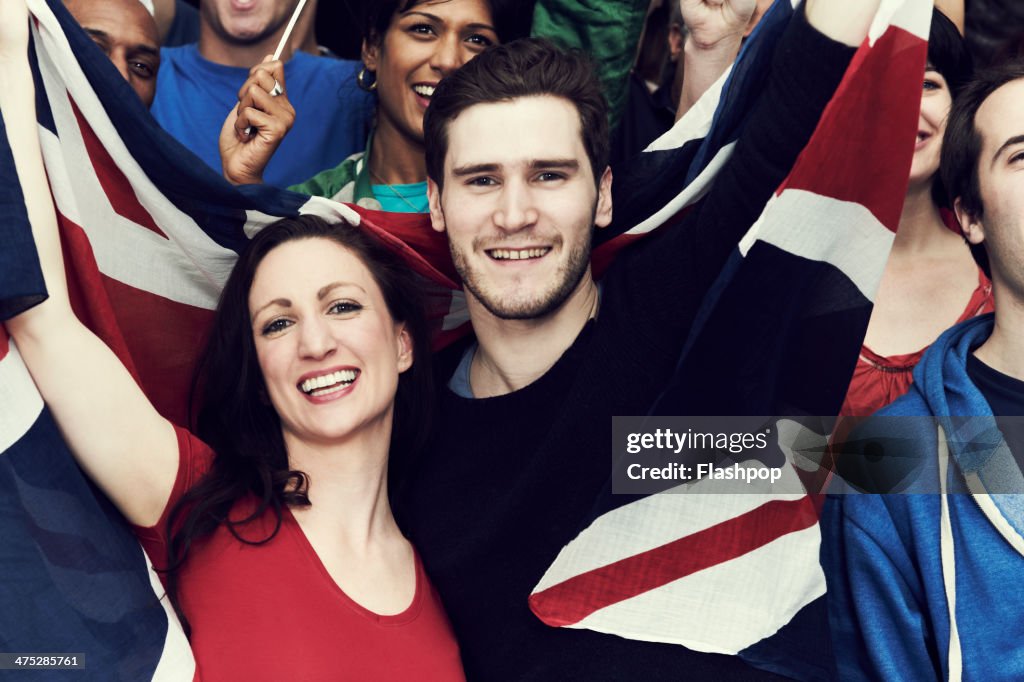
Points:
(567, 278)
(274, 25)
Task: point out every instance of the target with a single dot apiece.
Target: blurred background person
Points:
(930, 281)
(660, 89)
(127, 34)
(200, 82)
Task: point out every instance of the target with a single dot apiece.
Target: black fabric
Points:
(508, 480)
(1005, 395)
(646, 117)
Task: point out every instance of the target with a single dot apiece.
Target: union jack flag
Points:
(150, 235)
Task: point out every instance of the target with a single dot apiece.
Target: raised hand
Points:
(106, 416)
(845, 22)
(710, 21)
(255, 128)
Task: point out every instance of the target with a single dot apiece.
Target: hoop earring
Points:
(361, 80)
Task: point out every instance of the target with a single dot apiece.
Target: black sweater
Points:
(508, 480)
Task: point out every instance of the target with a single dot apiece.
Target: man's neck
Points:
(1003, 351)
(213, 48)
(512, 354)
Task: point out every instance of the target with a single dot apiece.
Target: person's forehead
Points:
(451, 10)
(542, 126)
(310, 271)
(126, 21)
(302, 266)
(1001, 115)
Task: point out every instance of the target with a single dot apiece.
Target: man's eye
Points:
(482, 181)
(275, 326)
(550, 176)
(142, 69)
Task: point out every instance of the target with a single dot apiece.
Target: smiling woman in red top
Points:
(930, 281)
(272, 523)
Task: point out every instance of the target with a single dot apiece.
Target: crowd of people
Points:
(347, 495)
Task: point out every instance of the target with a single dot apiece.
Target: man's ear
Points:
(970, 224)
(404, 349)
(603, 214)
(434, 199)
(371, 54)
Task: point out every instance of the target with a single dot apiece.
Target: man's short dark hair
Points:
(961, 146)
(522, 68)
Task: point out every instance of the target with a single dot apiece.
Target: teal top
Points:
(402, 198)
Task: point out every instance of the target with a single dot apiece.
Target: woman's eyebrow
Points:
(439, 20)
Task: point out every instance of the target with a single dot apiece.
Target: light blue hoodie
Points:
(931, 586)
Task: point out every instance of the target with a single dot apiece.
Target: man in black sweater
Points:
(517, 163)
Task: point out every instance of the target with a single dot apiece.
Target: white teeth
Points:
(517, 254)
(424, 90)
(333, 382)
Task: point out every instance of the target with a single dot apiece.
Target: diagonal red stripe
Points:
(114, 183)
(576, 598)
(896, 58)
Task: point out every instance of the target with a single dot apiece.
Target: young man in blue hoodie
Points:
(925, 586)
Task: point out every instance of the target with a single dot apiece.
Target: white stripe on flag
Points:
(696, 122)
(691, 193)
(658, 520)
(727, 607)
(458, 312)
(914, 16)
(20, 402)
(330, 210)
(176, 664)
(806, 224)
(124, 250)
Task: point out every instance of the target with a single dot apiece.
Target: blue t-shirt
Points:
(332, 115)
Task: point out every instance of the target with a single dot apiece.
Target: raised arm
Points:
(116, 435)
(844, 22)
(716, 29)
(714, 33)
